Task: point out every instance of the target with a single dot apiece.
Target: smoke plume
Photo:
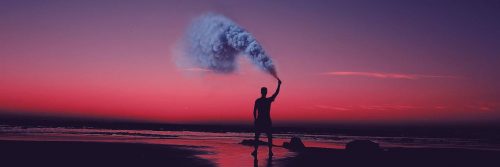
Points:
(213, 42)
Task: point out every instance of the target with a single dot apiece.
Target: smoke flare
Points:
(213, 42)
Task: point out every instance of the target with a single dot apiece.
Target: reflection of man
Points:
(262, 117)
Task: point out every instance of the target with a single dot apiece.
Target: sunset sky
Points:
(340, 61)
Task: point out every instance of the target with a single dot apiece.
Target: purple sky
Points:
(339, 60)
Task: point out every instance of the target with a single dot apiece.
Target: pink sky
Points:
(339, 62)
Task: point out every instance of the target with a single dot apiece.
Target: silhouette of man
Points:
(262, 117)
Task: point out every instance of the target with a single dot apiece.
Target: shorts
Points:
(263, 125)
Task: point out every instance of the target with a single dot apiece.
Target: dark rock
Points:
(294, 144)
(362, 146)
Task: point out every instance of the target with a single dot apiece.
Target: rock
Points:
(251, 142)
(294, 144)
(362, 146)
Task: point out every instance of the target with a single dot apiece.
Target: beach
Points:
(42, 146)
(72, 153)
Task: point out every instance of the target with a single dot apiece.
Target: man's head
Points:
(263, 91)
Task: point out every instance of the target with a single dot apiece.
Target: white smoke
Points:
(213, 42)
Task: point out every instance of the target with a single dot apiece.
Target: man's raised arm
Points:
(277, 90)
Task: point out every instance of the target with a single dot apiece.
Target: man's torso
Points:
(263, 109)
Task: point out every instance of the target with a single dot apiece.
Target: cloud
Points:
(346, 108)
(386, 75)
(196, 70)
(484, 106)
(387, 107)
(327, 107)
(477, 107)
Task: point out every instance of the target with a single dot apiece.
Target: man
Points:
(262, 117)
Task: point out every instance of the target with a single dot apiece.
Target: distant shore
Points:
(486, 130)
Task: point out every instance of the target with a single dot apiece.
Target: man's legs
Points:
(256, 142)
(270, 142)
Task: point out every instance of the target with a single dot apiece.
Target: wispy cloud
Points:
(388, 107)
(328, 107)
(386, 75)
(484, 107)
(361, 107)
(196, 70)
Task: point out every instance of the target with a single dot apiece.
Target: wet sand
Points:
(71, 153)
(395, 157)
